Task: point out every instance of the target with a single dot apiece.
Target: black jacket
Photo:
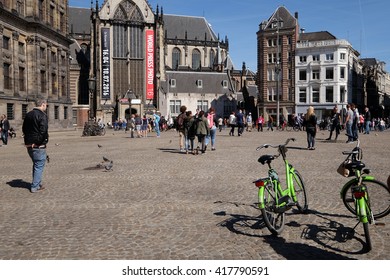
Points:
(35, 128)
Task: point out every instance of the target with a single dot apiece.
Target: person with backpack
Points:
(202, 129)
(156, 121)
(180, 126)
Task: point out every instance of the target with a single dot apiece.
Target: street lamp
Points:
(130, 95)
(92, 88)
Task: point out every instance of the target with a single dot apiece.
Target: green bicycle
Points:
(274, 200)
(363, 196)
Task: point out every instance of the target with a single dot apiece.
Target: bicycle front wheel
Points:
(272, 219)
(300, 192)
(378, 197)
(296, 128)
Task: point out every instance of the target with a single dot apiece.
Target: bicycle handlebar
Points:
(275, 146)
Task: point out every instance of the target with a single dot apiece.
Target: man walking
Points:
(367, 120)
(36, 136)
(4, 128)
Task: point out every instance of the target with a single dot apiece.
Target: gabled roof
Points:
(316, 36)
(282, 15)
(79, 20)
(196, 27)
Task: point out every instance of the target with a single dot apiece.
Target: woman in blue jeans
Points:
(212, 120)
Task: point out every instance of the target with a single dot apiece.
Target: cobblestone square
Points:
(157, 203)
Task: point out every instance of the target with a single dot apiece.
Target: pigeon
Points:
(47, 158)
(57, 144)
(99, 145)
(106, 159)
(109, 166)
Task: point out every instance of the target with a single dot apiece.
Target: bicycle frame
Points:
(273, 180)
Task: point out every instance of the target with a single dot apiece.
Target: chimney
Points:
(296, 15)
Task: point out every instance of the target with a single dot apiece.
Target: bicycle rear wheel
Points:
(300, 192)
(378, 198)
(273, 220)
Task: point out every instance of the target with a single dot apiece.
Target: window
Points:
(316, 95)
(21, 79)
(329, 73)
(271, 94)
(41, 9)
(199, 83)
(172, 82)
(272, 58)
(202, 105)
(329, 94)
(227, 107)
(270, 75)
(302, 75)
(289, 74)
(63, 86)
(62, 22)
(42, 53)
(195, 59)
(53, 57)
(52, 16)
(24, 110)
(20, 7)
(56, 112)
(43, 81)
(316, 57)
(290, 94)
(329, 57)
(302, 95)
(10, 111)
(303, 58)
(342, 56)
(289, 40)
(65, 113)
(53, 83)
(174, 106)
(224, 83)
(342, 72)
(176, 58)
(5, 42)
(316, 74)
(21, 48)
(7, 78)
(342, 94)
(272, 42)
(212, 58)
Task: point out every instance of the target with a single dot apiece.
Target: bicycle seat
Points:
(358, 165)
(266, 159)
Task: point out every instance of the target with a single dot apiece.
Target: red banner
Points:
(149, 64)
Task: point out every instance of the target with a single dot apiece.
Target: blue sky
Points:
(364, 23)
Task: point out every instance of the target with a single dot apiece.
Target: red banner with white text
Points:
(149, 64)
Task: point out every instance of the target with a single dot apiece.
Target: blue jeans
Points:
(348, 128)
(4, 136)
(368, 127)
(213, 132)
(157, 129)
(38, 157)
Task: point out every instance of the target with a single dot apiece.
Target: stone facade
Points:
(34, 56)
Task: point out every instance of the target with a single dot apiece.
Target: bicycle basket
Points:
(344, 171)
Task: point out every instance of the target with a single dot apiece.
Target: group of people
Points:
(199, 128)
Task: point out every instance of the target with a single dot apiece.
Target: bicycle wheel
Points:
(103, 131)
(296, 128)
(273, 220)
(288, 127)
(378, 197)
(300, 192)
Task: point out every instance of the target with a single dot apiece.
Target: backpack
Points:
(180, 121)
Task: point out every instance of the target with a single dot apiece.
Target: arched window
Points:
(195, 59)
(212, 58)
(176, 54)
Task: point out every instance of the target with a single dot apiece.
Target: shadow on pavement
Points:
(19, 183)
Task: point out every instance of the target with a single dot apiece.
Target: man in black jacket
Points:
(36, 136)
(4, 128)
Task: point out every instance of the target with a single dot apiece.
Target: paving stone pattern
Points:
(157, 203)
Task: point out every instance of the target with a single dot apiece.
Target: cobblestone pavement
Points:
(157, 203)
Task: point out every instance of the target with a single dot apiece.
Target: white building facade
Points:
(324, 75)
